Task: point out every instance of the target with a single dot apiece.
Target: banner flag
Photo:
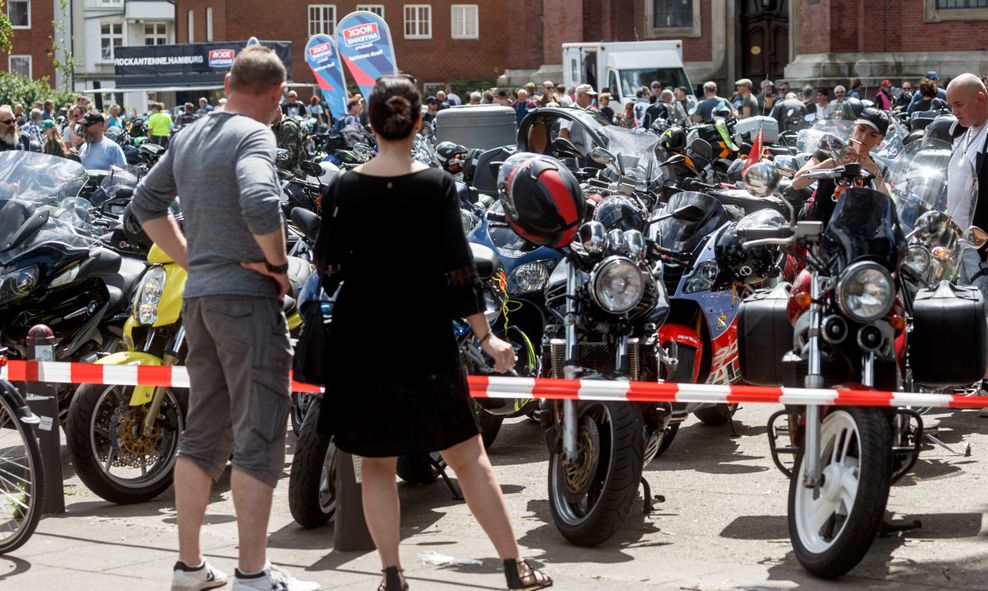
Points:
(366, 47)
(323, 60)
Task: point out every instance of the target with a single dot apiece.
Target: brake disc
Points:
(579, 474)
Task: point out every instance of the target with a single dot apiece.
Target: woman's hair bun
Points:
(394, 107)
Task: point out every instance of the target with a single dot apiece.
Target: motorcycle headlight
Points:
(149, 295)
(19, 283)
(918, 259)
(617, 285)
(528, 277)
(703, 278)
(66, 277)
(865, 292)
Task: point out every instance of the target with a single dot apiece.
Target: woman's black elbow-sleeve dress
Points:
(395, 384)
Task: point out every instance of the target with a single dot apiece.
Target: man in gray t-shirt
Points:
(239, 354)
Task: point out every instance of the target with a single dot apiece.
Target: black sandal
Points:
(393, 580)
(530, 581)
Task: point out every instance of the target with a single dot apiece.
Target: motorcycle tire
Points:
(667, 436)
(312, 480)
(715, 416)
(490, 425)
(301, 403)
(80, 434)
(829, 548)
(610, 486)
(417, 469)
(30, 473)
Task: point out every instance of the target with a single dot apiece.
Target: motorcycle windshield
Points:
(635, 149)
(918, 180)
(31, 183)
(685, 236)
(808, 140)
(864, 226)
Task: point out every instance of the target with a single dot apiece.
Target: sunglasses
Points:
(7, 121)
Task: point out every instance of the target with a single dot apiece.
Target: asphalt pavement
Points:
(722, 526)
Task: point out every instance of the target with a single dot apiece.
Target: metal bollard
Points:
(43, 400)
(351, 534)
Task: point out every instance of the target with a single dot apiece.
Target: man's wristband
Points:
(278, 269)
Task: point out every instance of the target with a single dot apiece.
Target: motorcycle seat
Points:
(485, 260)
(121, 284)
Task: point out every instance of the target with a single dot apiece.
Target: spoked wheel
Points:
(312, 482)
(832, 528)
(592, 495)
(109, 449)
(22, 483)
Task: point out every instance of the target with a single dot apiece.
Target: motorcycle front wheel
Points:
(832, 529)
(591, 496)
(109, 450)
(22, 477)
(312, 481)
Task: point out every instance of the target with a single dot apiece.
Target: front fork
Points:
(814, 380)
(158, 398)
(570, 367)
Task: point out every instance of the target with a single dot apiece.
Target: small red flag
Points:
(756, 152)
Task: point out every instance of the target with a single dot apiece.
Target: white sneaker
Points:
(271, 578)
(187, 578)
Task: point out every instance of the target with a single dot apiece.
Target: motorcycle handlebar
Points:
(751, 234)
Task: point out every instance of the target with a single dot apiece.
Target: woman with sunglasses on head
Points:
(421, 403)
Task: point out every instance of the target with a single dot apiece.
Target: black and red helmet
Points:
(542, 199)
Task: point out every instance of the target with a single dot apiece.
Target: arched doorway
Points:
(764, 39)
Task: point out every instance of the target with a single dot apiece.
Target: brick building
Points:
(32, 24)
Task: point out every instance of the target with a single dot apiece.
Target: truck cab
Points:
(625, 66)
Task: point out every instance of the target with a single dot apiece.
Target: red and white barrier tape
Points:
(503, 387)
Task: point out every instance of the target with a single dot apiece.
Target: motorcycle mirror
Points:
(602, 156)
(761, 179)
(835, 147)
(785, 166)
(311, 168)
(976, 237)
(281, 155)
(702, 148)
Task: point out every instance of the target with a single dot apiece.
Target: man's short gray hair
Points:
(710, 86)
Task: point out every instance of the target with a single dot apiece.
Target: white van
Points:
(625, 66)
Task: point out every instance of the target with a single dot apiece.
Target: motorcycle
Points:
(123, 439)
(849, 323)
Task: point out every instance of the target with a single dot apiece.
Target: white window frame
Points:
(156, 35)
(463, 19)
(423, 27)
(932, 14)
(653, 32)
(122, 36)
(28, 2)
(325, 21)
(191, 16)
(30, 64)
(209, 23)
(109, 3)
(377, 9)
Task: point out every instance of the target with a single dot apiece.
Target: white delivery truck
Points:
(625, 66)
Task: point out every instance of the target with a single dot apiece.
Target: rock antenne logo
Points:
(221, 58)
(360, 34)
(320, 49)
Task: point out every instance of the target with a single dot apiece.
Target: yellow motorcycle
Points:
(122, 439)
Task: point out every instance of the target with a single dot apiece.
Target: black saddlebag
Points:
(764, 335)
(948, 345)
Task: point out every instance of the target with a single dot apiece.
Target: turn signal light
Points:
(802, 299)
(897, 321)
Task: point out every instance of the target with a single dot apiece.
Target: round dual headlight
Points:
(617, 285)
(918, 260)
(865, 292)
(528, 277)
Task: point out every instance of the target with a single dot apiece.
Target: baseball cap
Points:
(47, 124)
(875, 119)
(886, 82)
(586, 89)
(92, 117)
(744, 82)
(933, 75)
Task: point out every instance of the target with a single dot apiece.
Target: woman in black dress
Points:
(392, 234)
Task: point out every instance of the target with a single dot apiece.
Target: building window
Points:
(948, 4)
(322, 19)
(155, 34)
(110, 36)
(19, 64)
(377, 9)
(465, 21)
(192, 26)
(19, 13)
(672, 14)
(110, 3)
(209, 23)
(418, 21)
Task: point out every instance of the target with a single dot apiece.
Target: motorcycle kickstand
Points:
(886, 528)
(967, 446)
(649, 505)
(449, 483)
(734, 429)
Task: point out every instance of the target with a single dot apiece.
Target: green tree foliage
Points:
(6, 30)
(17, 89)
